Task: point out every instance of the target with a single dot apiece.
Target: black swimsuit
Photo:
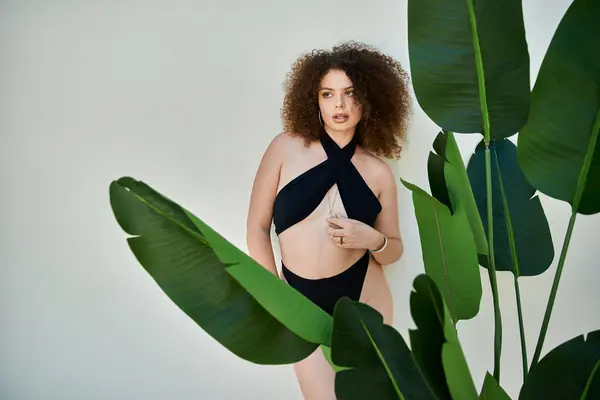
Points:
(299, 198)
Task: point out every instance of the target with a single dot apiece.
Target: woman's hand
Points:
(352, 234)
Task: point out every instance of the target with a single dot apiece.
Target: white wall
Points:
(186, 95)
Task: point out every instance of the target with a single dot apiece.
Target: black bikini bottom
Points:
(325, 292)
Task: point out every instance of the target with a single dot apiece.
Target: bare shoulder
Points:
(278, 147)
(377, 168)
(281, 140)
(286, 141)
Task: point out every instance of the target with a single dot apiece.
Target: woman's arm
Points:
(387, 222)
(260, 212)
(350, 233)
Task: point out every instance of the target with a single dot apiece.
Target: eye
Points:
(350, 93)
(326, 94)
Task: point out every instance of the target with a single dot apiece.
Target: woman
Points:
(332, 199)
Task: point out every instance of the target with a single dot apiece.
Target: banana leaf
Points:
(469, 63)
(559, 150)
(247, 309)
(449, 251)
(491, 390)
(447, 153)
(569, 371)
(520, 224)
(378, 363)
(435, 344)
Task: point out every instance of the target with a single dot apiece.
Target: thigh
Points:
(377, 294)
(316, 377)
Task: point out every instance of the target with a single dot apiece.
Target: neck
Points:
(340, 137)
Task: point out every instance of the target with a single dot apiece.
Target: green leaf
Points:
(442, 177)
(491, 390)
(559, 150)
(518, 212)
(378, 362)
(190, 263)
(449, 253)
(457, 372)
(444, 56)
(436, 338)
(569, 371)
(327, 354)
(296, 312)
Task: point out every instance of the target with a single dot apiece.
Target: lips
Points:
(340, 117)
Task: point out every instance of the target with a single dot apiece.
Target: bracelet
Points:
(385, 242)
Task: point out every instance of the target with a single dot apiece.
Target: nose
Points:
(340, 102)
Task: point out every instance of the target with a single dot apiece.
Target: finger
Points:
(334, 226)
(341, 222)
(336, 232)
(337, 240)
(343, 245)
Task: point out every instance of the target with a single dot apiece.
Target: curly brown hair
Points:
(381, 87)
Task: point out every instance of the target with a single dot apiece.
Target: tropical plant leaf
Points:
(559, 149)
(435, 344)
(427, 340)
(289, 306)
(448, 153)
(191, 264)
(444, 52)
(518, 212)
(569, 371)
(378, 362)
(449, 252)
(457, 372)
(327, 354)
(491, 390)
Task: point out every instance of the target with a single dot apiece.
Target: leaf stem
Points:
(559, 268)
(487, 135)
(521, 328)
(515, 261)
(480, 74)
(492, 265)
(581, 181)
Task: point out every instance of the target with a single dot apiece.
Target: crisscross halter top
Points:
(301, 196)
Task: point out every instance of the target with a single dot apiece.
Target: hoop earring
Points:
(320, 119)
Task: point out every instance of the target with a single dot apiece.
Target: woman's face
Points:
(339, 110)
